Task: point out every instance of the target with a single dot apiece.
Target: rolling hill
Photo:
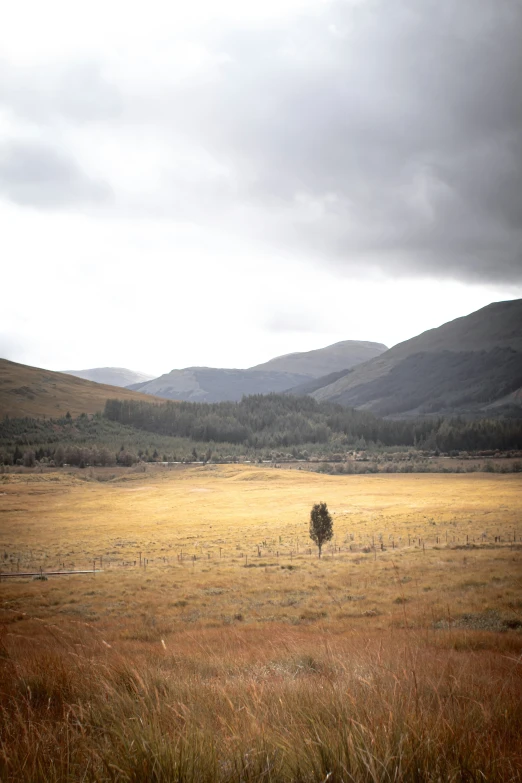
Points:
(333, 358)
(470, 365)
(111, 376)
(314, 384)
(31, 391)
(209, 384)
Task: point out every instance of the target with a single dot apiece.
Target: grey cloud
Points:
(383, 135)
(76, 91)
(32, 174)
(386, 133)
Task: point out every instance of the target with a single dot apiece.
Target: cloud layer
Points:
(379, 137)
(41, 176)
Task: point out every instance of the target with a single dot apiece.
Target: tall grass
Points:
(261, 704)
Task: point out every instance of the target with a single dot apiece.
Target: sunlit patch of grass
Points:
(401, 663)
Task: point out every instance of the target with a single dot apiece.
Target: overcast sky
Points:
(218, 182)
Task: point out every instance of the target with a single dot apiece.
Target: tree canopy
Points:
(321, 525)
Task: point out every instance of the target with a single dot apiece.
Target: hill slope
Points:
(208, 384)
(112, 376)
(314, 384)
(333, 358)
(467, 365)
(31, 391)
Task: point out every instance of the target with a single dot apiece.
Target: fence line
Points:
(249, 556)
(11, 574)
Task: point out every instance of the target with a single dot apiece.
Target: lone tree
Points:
(321, 525)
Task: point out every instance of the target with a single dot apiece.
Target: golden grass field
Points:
(235, 654)
(32, 391)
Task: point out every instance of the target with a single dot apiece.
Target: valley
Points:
(175, 621)
(212, 639)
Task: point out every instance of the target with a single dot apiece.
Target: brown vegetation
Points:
(396, 657)
(31, 391)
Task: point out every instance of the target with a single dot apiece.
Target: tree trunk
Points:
(320, 547)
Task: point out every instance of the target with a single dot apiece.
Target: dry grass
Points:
(384, 665)
(248, 705)
(31, 391)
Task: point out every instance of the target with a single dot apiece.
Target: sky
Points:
(215, 183)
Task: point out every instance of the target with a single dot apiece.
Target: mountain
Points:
(113, 376)
(208, 384)
(314, 384)
(333, 358)
(470, 365)
(31, 391)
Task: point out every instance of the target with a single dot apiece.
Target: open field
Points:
(396, 537)
(233, 653)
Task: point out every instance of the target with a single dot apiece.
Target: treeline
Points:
(266, 421)
(271, 427)
(85, 440)
(77, 456)
(278, 421)
(476, 435)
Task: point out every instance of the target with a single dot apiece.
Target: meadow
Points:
(212, 643)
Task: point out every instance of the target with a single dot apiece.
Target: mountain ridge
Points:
(210, 384)
(36, 392)
(214, 384)
(111, 376)
(320, 361)
(382, 384)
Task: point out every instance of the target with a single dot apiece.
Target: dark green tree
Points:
(29, 459)
(321, 525)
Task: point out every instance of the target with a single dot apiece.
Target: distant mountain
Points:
(470, 365)
(208, 384)
(114, 376)
(31, 391)
(333, 358)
